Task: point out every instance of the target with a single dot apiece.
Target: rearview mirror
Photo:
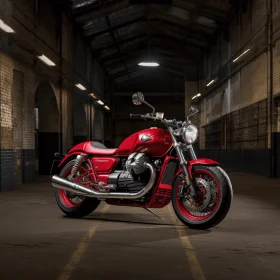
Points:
(192, 109)
(138, 98)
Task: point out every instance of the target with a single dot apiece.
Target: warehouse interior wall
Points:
(47, 127)
(239, 111)
(80, 123)
(30, 90)
(167, 97)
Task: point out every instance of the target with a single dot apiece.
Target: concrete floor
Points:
(38, 242)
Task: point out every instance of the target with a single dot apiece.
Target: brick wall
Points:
(244, 82)
(17, 122)
(238, 121)
(23, 77)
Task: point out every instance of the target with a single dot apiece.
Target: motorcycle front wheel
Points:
(213, 201)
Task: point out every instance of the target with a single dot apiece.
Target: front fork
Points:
(183, 164)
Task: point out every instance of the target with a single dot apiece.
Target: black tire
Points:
(221, 208)
(87, 206)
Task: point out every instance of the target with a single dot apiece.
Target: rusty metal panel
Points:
(246, 27)
(235, 35)
(224, 51)
(203, 112)
(247, 128)
(213, 106)
(234, 92)
(276, 68)
(254, 81)
(259, 14)
(276, 18)
(215, 58)
(225, 98)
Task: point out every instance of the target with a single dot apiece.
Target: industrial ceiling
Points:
(174, 33)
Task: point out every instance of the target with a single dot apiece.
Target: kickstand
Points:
(153, 213)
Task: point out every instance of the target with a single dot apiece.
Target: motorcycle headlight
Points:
(190, 134)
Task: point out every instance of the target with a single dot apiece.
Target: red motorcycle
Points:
(147, 170)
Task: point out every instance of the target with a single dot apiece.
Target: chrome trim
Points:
(192, 153)
(146, 137)
(62, 183)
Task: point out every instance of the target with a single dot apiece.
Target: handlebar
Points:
(136, 116)
(173, 122)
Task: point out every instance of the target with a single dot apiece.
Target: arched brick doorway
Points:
(47, 127)
(98, 133)
(80, 123)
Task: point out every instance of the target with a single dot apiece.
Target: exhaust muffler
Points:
(62, 183)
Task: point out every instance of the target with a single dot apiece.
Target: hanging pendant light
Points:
(148, 63)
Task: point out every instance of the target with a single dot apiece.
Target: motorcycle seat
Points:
(97, 148)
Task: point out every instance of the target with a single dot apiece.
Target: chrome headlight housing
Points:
(190, 134)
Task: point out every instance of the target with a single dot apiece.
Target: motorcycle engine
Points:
(134, 177)
(135, 163)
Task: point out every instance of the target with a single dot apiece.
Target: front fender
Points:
(199, 161)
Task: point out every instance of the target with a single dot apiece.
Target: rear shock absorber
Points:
(79, 159)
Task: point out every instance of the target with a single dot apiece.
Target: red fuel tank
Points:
(155, 142)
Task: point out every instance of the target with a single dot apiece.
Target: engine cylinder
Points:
(136, 163)
(126, 182)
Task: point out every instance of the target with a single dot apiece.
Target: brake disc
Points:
(190, 203)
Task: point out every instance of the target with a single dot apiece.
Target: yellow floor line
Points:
(81, 248)
(190, 253)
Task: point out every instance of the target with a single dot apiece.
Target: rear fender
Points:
(199, 161)
(68, 157)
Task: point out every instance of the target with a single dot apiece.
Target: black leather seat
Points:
(97, 148)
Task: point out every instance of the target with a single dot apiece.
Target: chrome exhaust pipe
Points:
(62, 183)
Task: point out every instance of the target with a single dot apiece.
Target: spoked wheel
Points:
(213, 201)
(71, 204)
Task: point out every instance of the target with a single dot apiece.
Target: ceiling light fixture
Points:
(107, 108)
(100, 102)
(6, 28)
(210, 83)
(198, 95)
(240, 55)
(148, 64)
(81, 87)
(93, 95)
(46, 60)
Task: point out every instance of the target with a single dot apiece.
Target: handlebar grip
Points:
(136, 116)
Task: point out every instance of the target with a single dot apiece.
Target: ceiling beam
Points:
(124, 73)
(116, 43)
(180, 32)
(121, 41)
(161, 34)
(196, 33)
(133, 75)
(209, 12)
(134, 58)
(136, 54)
(101, 10)
(156, 28)
(173, 71)
(115, 27)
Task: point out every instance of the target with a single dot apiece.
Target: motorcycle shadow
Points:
(145, 220)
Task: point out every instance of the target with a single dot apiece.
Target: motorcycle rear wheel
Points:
(214, 201)
(72, 205)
